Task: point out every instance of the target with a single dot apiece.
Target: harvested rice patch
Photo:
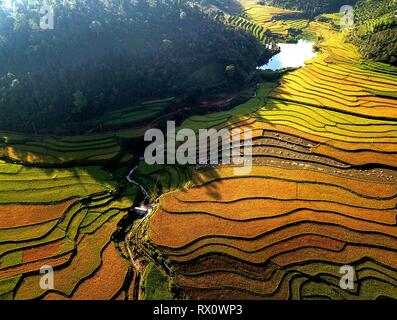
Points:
(224, 190)
(270, 242)
(216, 262)
(104, 283)
(13, 216)
(349, 255)
(67, 279)
(197, 226)
(35, 267)
(226, 176)
(108, 280)
(44, 251)
(344, 145)
(55, 235)
(289, 231)
(269, 251)
(227, 280)
(220, 294)
(360, 157)
(254, 208)
(291, 253)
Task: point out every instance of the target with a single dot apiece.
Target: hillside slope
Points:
(104, 55)
(376, 29)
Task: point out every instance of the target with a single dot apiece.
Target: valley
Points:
(321, 192)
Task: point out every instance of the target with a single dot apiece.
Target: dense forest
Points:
(376, 29)
(103, 55)
(229, 6)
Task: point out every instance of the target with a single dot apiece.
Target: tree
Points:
(80, 102)
(231, 69)
(106, 54)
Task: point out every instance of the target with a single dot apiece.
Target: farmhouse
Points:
(143, 210)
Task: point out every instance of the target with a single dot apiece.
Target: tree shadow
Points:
(14, 154)
(209, 176)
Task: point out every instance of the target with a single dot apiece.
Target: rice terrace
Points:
(311, 214)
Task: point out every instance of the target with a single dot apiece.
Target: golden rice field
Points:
(258, 31)
(322, 192)
(61, 206)
(265, 16)
(64, 218)
(367, 89)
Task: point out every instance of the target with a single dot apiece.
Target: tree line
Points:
(108, 54)
(310, 8)
(376, 30)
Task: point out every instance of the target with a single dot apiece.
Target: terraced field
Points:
(135, 115)
(264, 31)
(64, 218)
(359, 88)
(269, 18)
(58, 151)
(259, 31)
(160, 179)
(322, 192)
(58, 209)
(119, 127)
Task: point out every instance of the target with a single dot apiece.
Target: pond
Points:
(292, 55)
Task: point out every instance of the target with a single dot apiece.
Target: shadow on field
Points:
(209, 177)
(81, 179)
(209, 180)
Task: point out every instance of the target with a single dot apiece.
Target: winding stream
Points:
(130, 180)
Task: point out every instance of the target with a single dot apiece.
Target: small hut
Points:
(143, 210)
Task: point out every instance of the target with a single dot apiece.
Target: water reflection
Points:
(292, 55)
